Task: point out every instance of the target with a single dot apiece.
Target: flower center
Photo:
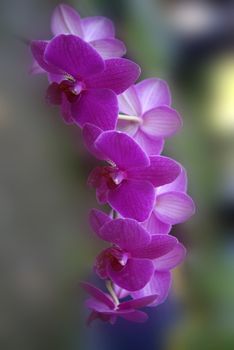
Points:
(71, 88)
(110, 175)
(114, 257)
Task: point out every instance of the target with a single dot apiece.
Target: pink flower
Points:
(108, 310)
(82, 83)
(148, 117)
(172, 206)
(129, 261)
(128, 182)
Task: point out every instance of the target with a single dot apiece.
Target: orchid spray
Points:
(124, 125)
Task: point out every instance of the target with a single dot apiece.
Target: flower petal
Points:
(66, 20)
(129, 102)
(159, 246)
(98, 294)
(128, 234)
(134, 275)
(161, 122)
(179, 184)
(155, 226)
(97, 27)
(66, 110)
(38, 48)
(171, 259)
(160, 284)
(109, 48)
(118, 75)
(90, 133)
(162, 170)
(73, 56)
(174, 207)
(133, 199)
(97, 219)
(138, 303)
(149, 144)
(122, 150)
(98, 107)
(153, 93)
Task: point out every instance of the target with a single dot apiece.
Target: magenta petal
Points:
(159, 284)
(98, 294)
(38, 48)
(65, 20)
(122, 150)
(96, 305)
(155, 226)
(160, 122)
(148, 143)
(97, 27)
(134, 275)
(129, 102)
(133, 199)
(171, 259)
(97, 219)
(128, 234)
(98, 107)
(118, 75)
(162, 170)
(179, 184)
(109, 48)
(159, 246)
(90, 133)
(35, 68)
(135, 316)
(153, 93)
(174, 207)
(138, 303)
(73, 56)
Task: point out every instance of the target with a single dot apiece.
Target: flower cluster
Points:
(124, 125)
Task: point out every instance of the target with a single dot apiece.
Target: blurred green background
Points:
(46, 246)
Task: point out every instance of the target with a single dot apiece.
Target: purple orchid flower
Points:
(98, 31)
(82, 83)
(128, 182)
(161, 280)
(148, 117)
(108, 309)
(172, 206)
(129, 261)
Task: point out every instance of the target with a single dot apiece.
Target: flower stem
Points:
(110, 288)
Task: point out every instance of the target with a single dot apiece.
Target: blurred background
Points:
(46, 246)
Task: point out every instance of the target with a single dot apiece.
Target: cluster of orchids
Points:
(124, 125)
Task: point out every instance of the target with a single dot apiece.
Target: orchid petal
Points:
(97, 27)
(155, 226)
(98, 294)
(133, 199)
(174, 207)
(73, 56)
(97, 219)
(118, 75)
(90, 133)
(134, 275)
(98, 107)
(128, 234)
(161, 122)
(159, 284)
(162, 170)
(129, 102)
(149, 144)
(66, 20)
(109, 48)
(159, 246)
(172, 259)
(122, 150)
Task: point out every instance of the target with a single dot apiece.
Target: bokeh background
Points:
(46, 246)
